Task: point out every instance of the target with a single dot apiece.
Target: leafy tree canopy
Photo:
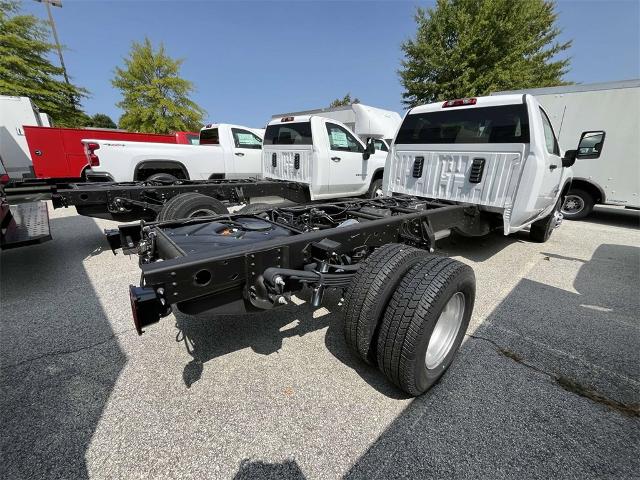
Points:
(346, 100)
(155, 99)
(101, 120)
(26, 70)
(466, 48)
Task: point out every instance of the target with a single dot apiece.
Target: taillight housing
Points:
(459, 102)
(94, 161)
(4, 179)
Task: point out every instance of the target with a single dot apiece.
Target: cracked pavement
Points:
(549, 386)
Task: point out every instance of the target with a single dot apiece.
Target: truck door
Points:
(347, 168)
(247, 154)
(553, 163)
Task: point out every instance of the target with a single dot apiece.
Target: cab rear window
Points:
(288, 134)
(499, 124)
(209, 137)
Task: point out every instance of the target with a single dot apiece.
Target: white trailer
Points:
(15, 113)
(608, 166)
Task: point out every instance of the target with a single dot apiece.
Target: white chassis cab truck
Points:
(467, 165)
(225, 152)
(608, 160)
(499, 153)
(325, 154)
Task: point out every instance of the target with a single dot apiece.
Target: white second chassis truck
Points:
(333, 158)
(466, 165)
(608, 160)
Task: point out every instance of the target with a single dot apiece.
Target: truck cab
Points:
(499, 153)
(324, 154)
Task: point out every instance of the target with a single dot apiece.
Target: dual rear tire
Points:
(407, 312)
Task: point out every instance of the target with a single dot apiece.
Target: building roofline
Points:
(632, 83)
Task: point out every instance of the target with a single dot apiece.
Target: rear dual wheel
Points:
(407, 311)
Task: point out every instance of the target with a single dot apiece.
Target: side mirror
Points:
(569, 158)
(369, 150)
(590, 145)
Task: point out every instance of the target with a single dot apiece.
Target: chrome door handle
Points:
(239, 154)
(553, 167)
(335, 159)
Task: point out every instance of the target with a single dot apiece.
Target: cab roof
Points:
(492, 101)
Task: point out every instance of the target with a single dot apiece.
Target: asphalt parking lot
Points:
(546, 385)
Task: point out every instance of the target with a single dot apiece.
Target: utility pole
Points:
(56, 3)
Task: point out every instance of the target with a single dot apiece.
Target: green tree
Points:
(346, 100)
(465, 48)
(155, 99)
(26, 71)
(101, 120)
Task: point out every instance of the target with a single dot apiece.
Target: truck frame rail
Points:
(239, 263)
(126, 201)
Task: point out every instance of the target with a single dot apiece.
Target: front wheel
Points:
(577, 204)
(541, 230)
(375, 190)
(425, 322)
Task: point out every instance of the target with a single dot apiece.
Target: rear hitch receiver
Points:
(147, 306)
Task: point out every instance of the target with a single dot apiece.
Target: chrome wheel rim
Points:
(202, 212)
(572, 204)
(445, 332)
(377, 193)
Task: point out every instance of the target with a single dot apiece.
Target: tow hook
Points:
(147, 306)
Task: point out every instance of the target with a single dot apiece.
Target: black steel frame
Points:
(244, 278)
(127, 201)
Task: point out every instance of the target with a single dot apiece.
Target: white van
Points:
(608, 167)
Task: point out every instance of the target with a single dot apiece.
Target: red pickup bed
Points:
(59, 153)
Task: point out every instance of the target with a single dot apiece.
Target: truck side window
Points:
(549, 136)
(590, 145)
(380, 146)
(246, 139)
(340, 139)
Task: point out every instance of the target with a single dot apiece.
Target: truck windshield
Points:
(288, 134)
(500, 124)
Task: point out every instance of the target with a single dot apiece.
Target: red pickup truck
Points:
(59, 153)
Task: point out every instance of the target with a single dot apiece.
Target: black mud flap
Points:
(24, 224)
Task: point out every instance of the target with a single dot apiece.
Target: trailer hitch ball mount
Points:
(147, 307)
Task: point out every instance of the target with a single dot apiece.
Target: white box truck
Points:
(15, 113)
(608, 167)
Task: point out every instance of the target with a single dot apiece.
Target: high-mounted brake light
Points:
(94, 161)
(459, 102)
(287, 119)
